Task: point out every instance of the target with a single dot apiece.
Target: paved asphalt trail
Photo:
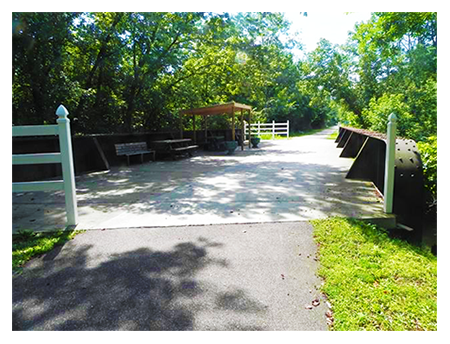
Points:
(216, 277)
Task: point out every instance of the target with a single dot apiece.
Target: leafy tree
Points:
(134, 71)
(397, 59)
(39, 55)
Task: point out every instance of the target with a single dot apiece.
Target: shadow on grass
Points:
(377, 235)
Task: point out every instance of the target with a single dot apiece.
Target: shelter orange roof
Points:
(218, 109)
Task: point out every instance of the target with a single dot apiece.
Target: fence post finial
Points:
(392, 117)
(62, 112)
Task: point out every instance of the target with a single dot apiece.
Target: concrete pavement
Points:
(284, 180)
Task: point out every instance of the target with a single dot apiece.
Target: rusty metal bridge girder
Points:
(353, 145)
(369, 150)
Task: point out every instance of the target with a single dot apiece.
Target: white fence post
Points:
(273, 130)
(259, 129)
(389, 172)
(288, 129)
(65, 143)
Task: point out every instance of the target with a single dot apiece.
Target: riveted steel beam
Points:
(341, 131)
(344, 137)
(353, 145)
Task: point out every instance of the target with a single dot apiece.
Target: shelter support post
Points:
(181, 125)
(193, 126)
(233, 124)
(243, 129)
(249, 129)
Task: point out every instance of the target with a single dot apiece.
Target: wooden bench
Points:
(134, 148)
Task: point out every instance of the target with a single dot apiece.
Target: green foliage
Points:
(422, 101)
(325, 82)
(39, 59)
(397, 69)
(396, 54)
(376, 114)
(428, 153)
(28, 244)
(119, 72)
(374, 282)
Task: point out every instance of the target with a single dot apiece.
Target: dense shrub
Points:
(428, 152)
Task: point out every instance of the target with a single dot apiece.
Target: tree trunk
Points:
(130, 109)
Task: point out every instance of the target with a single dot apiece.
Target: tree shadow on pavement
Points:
(139, 289)
(276, 183)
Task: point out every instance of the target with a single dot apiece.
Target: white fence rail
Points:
(273, 129)
(65, 158)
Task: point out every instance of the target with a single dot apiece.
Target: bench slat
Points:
(133, 148)
(136, 153)
(185, 148)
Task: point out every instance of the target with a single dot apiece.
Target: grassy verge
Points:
(298, 134)
(269, 137)
(374, 282)
(29, 244)
(305, 133)
(333, 136)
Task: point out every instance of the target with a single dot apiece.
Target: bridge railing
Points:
(369, 150)
(64, 157)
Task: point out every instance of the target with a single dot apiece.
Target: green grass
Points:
(28, 244)
(333, 136)
(305, 133)
(374, 282)
(297, 134)
(269, 137)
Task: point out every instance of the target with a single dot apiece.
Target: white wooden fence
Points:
(65, 158)
(273, 129)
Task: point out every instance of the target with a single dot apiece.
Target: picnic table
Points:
(216, 143)
(174, 147)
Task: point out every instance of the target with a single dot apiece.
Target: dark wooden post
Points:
(206, 127)
(181, 125)
(249, 128)
(193, 125)
(243, 129)
(233, 124)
